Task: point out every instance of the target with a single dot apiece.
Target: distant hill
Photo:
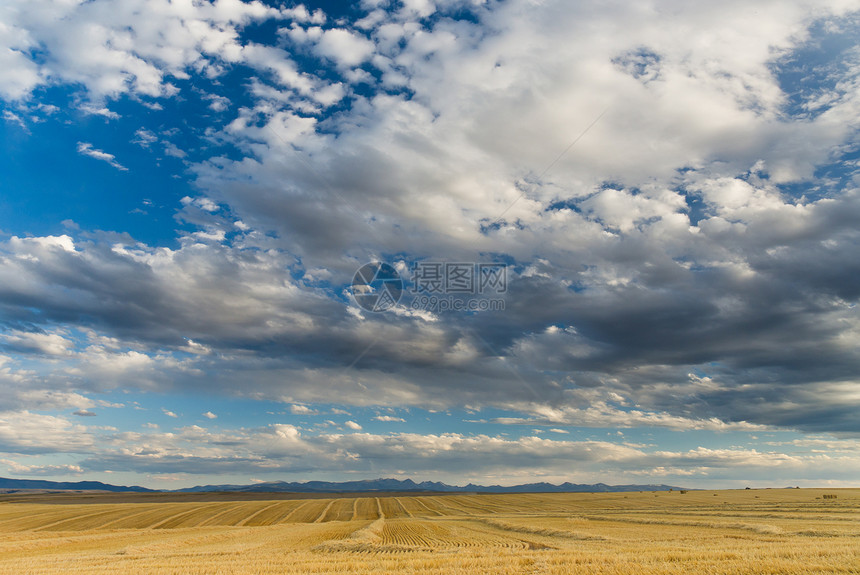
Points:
(380, 485)
(409, 485)
(8, 484)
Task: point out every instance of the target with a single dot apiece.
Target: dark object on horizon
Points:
(381, 485)
(6, 483)
(427, 486)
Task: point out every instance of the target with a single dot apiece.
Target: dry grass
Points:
(736, 532)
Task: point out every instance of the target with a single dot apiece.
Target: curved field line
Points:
(239, 513)
(343, 510)
(12, 518)
(410, 534)
(254, 514)
(125, 517)
(541, 531)
(274, 515)
(219, 515)
(310, 512)
(485, 505)
(379, 508)
(468, 504)
(172, 517)
(425, 506)
(155, 512)
(355, 509)
(478, 535)
(452, 506)
(762, 529)
(443, 510)
(324, 512)
(415, 534)
(294, 511)
(205, 512)
(403, 507)
(507, 504)
(471, 506)
(34, 520)
(73, 518)
(365, 508)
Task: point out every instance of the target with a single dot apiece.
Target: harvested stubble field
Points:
(780, 531)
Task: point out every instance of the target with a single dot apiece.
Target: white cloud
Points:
(218, 103)
(99, 111)
(300, 13)
(210, 415)
(109, 48)
(667, 246)
(87, 149)
(352, 425)
(389, 418)
(14, 118)
(18, 74)
(144, 137)
(29, 248)
(173, 150)
(285, 71)
(20, 397)
(20, 468)
(27, 432)
(196, 451)
(47, 343)
(345, 47)
(601, 414)
(302, 410)
(169, 413)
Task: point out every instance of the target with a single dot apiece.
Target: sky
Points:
(490, 241)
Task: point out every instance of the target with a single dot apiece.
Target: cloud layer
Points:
(676, 207)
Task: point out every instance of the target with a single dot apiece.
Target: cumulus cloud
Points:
(345, 47)
(46, 343)
(650, 174)
(302, 410)
(284, 450)
(27, 432)
(109, 49)
(23, 469)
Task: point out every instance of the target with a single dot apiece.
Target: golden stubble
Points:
(778, 531)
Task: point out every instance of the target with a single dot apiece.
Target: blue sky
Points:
(671, 192)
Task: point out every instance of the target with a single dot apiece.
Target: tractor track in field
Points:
(258, 512)
(324, 512)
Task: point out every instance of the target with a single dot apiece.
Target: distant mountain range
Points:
(409, 485)
(14, 484)
(339, 487)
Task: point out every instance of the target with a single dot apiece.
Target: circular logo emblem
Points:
(377, 287)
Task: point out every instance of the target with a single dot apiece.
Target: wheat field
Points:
(778, 531)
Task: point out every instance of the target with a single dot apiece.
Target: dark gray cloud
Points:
(678, 267)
